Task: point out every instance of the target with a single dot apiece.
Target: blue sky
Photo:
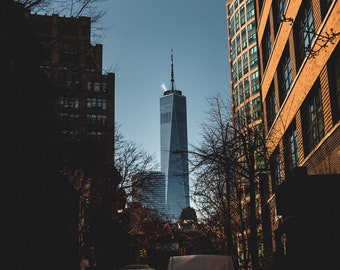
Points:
(137, 46)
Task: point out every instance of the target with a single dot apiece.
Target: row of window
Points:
(93, 103)
(73, 135)
(73, 57)
(97, 103)
(68, 68)
(313, 129)
(97, 86)
(91, 118)
(70, 102)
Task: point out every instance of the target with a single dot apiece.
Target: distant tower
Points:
(174, 148)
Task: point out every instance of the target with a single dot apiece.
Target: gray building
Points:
(174, 148)
(155, 198)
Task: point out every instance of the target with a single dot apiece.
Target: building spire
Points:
(172, 71)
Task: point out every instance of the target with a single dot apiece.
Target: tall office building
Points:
(243, 60)
(174, 148)
(247, 115)
(300, 91)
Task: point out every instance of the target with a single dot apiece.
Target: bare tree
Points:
(229, 164)
(212, 163)
(94, 9)
(70, 8)
(135, 166)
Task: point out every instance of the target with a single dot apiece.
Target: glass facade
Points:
(174, 151)
(243, 54)
(155, 198)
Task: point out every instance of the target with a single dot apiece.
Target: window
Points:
(242, 16)
(303, 32)
(276, 170)
(96, 87)
(89, 86)
(244, 38)
(245, 62)
(69, 117)
(238, 44)
(70, 135)
(231, 9)
(246, 87)
(237, 21)
(267, 45)
(257, 108)
(308, 26)
(241, 94)
(285, 75)
(276, 16)
(104, 85)
(68, 57)
(69, 102)
(95, 135)
(233, 50)
(255, 82)
(271, 106)
(250, 9)
(282, 8)
(313, 122)
(235, 96)
(239, 67)
(248, 112)
(253, 57)
(251, 33)
(96, 119)
(165, 117)
(291, 148)
(325, 5)
(97, 103)
(234, 72)
(236, 4)
(232, 27)
(241, 113)
(333, 67)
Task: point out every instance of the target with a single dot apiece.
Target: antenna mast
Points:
(172, 71)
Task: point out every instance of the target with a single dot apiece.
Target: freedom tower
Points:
(174, 148)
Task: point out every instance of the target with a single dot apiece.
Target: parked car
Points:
(136, 267)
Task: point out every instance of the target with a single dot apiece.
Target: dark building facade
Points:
(86, 94)
(84, 125)
(41, 204)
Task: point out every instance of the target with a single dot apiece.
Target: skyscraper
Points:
(247, 115)
(174, 148)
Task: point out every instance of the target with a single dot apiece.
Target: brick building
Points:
(40, 204)
(85, 124)
(86, 93)
(300, 91)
